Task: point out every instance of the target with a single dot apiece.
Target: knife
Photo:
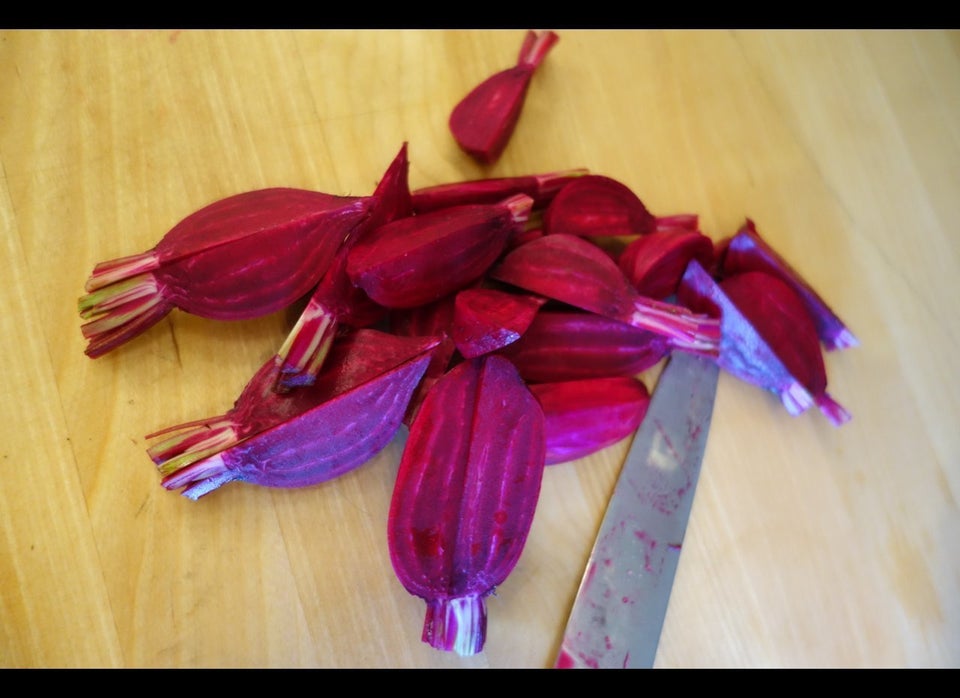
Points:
(619, 609)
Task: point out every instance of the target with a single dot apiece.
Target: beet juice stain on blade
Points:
(622, 601)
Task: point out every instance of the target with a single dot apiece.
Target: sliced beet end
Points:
(456, 625)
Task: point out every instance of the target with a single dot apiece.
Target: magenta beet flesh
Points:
(465, 495)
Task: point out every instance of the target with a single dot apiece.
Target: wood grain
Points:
(809, 545)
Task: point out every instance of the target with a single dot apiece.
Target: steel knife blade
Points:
(622, 600)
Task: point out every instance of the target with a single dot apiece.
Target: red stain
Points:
(565, 661)
(650, 545)
(174, 35)
(568, 661)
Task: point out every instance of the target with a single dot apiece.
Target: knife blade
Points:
(621, 603)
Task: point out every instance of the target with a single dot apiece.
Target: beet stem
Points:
(99, 302)
(306, 347)
(796, 399)
(456, 624)
(210, 470)
(118, 315)
(535, 48)
(181, 450)
(843, 339)
(107, 273)
(832, 410)
(687, 331)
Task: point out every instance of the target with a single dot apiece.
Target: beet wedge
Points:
(582, 417)
(465, 496)
(336, 301)
(747, 251)
(541, 188)
(575, 271)
(655, 263)
(420, 259)
(241, 257)
(349, 419)
(355, 358)
(483, 121)
(566, 345)
(760, 341)
(780, 316)
(487, 319)
(599, 206)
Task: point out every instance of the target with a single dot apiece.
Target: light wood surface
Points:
(809, 545)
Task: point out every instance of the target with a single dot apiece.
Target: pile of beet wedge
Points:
(502, 322)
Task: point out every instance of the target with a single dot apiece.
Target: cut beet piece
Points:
(486, 319)
(655, 263)
(600, 206)
(420, 259)
(575, 271)
(571, 345)
(747, 251)
(484, 120)
(465, 495)
(585, 416)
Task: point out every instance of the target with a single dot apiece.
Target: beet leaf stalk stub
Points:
(465, 496)
(241, 257)
(484, 120)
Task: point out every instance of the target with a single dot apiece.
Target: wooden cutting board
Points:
(809, 545)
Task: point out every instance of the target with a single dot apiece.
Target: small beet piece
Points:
(541, 188)
(241, 257)
(575, 271)
(574, 345)
(487, 319)
(465, 495)
(483, 121)
(781, 317)
(600, 206)
(747, 251)
(420, 259)
(655, 263)
(317, 444)
(585, 416)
